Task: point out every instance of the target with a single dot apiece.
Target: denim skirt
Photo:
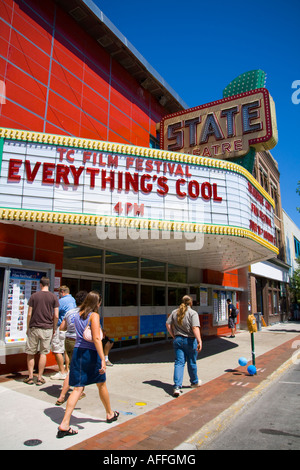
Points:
(84, 368)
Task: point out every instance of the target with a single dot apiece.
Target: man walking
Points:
(42, 318)
(66, 303)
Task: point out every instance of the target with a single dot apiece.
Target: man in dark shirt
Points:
(42, 318)
(231, 317)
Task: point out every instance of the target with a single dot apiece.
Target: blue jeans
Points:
(185, 351)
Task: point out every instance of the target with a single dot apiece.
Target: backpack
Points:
(234, 311)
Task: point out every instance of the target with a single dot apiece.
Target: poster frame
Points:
(9, 264)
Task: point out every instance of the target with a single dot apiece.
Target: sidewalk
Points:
(140, 387)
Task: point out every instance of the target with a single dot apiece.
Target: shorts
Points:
(231, 322)
(38, 340)
(58, 342)
(107, 340)
(69, 346)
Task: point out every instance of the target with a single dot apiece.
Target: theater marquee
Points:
(64, 184)
(224, 128)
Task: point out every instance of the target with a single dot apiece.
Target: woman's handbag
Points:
(87, 333)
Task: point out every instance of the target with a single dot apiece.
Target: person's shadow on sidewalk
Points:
(159, 384)
(56, 415)
(165, 386)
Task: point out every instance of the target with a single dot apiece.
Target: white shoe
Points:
(58, 376)
(108, 363)
(176, 392)
(197, 384)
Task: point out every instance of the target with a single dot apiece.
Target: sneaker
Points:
(198, 384)
(108, 363)
(176, 392)
(58, 376)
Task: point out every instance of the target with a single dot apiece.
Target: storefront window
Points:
(129, 295)
(201, 296)
(113, 294)
(195, 295)
(177, 273)
(76, 285)
(119, 294)
(273, 297)
(270, 308)
(73, 285)
(146, 296)
(121, 265)
(159, 296)
(275, 303)
(220, 306)
(175, 295)
(259, 295)
(153, 296)
(153, 270)
(82, 258)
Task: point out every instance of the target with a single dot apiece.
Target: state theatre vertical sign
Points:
(223, 129)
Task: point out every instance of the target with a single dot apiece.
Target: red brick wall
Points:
(27, 244)
(59, 80)
(23, 243)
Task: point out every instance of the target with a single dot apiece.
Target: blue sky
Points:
(199, 47)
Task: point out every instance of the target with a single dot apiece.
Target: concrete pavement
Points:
(140, 387)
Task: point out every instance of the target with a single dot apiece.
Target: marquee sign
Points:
(224, 128)
(61, 179)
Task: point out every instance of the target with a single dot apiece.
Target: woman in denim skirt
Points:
(88, 363)
(184, 326)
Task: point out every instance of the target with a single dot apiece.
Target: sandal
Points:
(41, 381)
(60, 402)
(69, 432)
(114, 418)
(28, 381)
(83, 395)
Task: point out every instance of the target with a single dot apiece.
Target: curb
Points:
(203, 437)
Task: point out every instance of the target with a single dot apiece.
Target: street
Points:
(270, 423)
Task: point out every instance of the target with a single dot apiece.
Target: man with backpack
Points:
(232, 316)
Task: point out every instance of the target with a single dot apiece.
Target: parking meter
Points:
(252, 327)
(251, 323)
